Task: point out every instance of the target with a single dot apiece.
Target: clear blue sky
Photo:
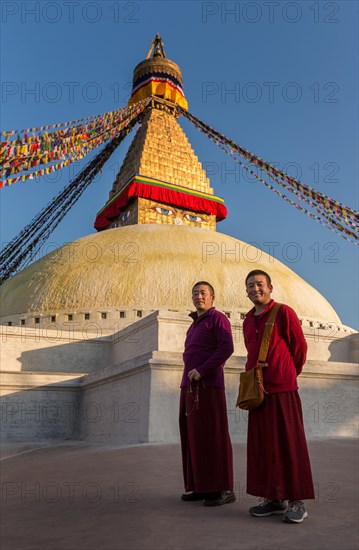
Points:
(279, 78)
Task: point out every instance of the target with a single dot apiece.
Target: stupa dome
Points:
(153, 266)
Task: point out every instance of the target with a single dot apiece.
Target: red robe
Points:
(207, 459)
(278, 465)
(287, 350)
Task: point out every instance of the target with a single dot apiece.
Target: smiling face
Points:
(202, 298)
(259, 290)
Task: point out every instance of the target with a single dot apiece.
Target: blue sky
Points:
(279, 78)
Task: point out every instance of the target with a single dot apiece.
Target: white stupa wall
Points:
(124, 388)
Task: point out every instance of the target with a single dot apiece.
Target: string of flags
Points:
(331, 213)
(51, 151)
(24, 247)
(8, 133)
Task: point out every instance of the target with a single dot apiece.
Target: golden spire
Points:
(161, 179)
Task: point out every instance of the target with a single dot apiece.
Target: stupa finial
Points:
(158, 77)
(156, 49)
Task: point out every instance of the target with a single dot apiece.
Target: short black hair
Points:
(259, 272)
(204, 283)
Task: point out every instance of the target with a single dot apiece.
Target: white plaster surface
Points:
(124, 388)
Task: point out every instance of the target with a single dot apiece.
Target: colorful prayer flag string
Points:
(339, 218)
(9, 133)
(23, 248)
(51, 154)
(322, 199)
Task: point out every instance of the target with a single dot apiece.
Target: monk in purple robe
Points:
(206, 446)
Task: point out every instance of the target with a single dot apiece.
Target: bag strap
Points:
(263, 351)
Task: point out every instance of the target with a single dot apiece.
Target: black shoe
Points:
(217, 499)
(193, 496)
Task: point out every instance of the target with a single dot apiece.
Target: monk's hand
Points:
(194, 375)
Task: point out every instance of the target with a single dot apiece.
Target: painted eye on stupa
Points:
(193, 218)
(164, 211)
(125, 216)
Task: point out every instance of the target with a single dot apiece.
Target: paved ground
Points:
(74, 497)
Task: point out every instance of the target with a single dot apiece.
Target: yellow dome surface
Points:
(155, 267)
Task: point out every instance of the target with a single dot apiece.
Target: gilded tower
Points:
(161, 180)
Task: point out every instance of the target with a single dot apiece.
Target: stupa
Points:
(102, 320)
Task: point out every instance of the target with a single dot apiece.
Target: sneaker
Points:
(268, 508)
(295, 512)
(217, 499)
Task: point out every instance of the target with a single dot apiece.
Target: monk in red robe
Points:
(206, 446)
(278, 465)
